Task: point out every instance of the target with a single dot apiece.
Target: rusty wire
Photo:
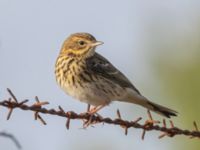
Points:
(149, 125)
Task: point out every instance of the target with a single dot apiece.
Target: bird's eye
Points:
(81, 43)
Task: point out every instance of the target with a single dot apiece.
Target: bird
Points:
(89, 77)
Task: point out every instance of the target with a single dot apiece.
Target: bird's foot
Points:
(93, 111)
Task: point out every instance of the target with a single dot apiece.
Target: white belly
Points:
(89, 94)
(95, 95)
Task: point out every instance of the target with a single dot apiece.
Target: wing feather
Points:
(101, 66)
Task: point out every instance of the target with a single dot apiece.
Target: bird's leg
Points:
(88, 108)
(85, 122)
(95, 109)
(92, 112)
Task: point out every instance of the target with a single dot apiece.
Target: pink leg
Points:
(88, 107)
(96, 109)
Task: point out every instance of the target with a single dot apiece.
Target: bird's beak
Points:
(97, 43)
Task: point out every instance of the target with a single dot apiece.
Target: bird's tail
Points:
(164, 111)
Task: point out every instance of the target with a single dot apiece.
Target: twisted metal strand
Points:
(149, 125)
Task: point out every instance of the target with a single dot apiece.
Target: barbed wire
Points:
(38, 107)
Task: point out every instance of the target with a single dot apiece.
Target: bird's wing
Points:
(101, 66)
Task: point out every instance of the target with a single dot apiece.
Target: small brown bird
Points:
(91, 78)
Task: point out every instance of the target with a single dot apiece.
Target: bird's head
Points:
(80, 45)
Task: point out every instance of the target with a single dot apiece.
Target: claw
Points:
(91, 112)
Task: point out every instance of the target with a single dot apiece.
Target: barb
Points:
(39, 105)
(149, 125)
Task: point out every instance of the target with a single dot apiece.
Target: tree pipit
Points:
(89, 77)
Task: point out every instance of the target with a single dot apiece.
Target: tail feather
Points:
(136, 98)
(167, 112)
(162, 110)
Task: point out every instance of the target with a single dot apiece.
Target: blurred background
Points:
(155, 43)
